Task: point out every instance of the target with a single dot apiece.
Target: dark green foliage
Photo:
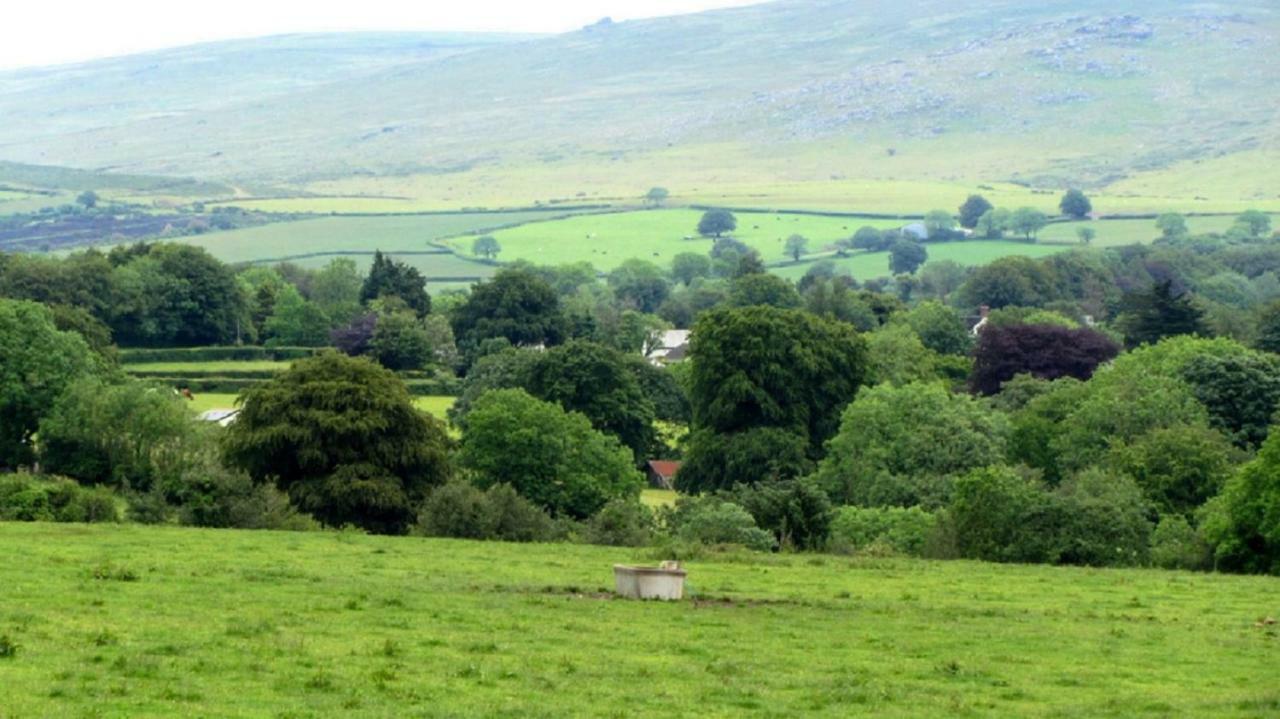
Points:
(906, 256)
(720, 460)
(96, 334)
(461, 510)
(940, 328)
(1268, 329)
(689, 266)
(1179, 468)
(342, 438)
(210, 495)
(295, 322)
(903, 445)
(171, 294)
(639, 285)
(505, 369)
(763, 289)
(768, 367)
(1255, 223)
(486, 246)
(37, 362)
(796, 247)
(551, 457)
(973, 209)
(400, 342)
(516, 305)
(1093, 519)
(597, 381)
(1075, 204)
(871, 239)
(797, 512)
(1175, 544)
(660, 386)
(717, 222)
(620, 523)
(1010, 281)
(127, 434)
(904, 530)
(1105, 521)
(1161, 312)
(1243, 523)
(1240, 391)
(1001, 516)
(26, 498)
(390, 278)
(711, 520)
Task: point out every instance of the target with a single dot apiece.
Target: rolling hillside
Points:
(1156, 98)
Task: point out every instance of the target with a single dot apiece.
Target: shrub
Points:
(797, 512)
(27, 498)
(460, 510)
(1243, 523)
(213, 496)
(456, 509)
(1175, 544)
(1103, 521)
(1002, 516)
(621, 523)
(514, 518)
(711, 520)
(906, 530)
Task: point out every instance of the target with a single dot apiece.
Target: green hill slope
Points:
(1039, 92)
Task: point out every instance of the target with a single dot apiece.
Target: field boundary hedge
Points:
(140, 355)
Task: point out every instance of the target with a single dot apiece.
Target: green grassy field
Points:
(144, 621)
(1115, 233)
(658, 497)
(320, 239)
(435, 406)
(869, 265)
(204, 401)
(208, 367)
(658, 235)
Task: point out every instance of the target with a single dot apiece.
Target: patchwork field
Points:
(137, 621)
(658, 235)
(321, 239)
(1115, 233)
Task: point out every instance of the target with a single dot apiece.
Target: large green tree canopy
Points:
(551, 457)
(341, 436)
(37, 362)
(516, 305)
(769, 367)
(595, 380)
(903, 445)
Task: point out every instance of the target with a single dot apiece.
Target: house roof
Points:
(664, 468)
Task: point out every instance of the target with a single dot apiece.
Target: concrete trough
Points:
(665, 583)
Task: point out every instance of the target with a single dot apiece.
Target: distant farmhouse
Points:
(662, 473)
(668, 347)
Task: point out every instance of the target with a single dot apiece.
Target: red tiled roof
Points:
(664, 468)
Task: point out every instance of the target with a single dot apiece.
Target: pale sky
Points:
(46, 32)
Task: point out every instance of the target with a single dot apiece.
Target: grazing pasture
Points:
(606, 240)
(161, 621)
(1115, 233)
(326, 237)
(868, 265)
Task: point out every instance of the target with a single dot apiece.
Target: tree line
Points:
(1114, 408)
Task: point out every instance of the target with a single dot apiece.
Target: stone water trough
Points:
(664, 582)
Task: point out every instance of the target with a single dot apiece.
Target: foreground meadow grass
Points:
(135, 621)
